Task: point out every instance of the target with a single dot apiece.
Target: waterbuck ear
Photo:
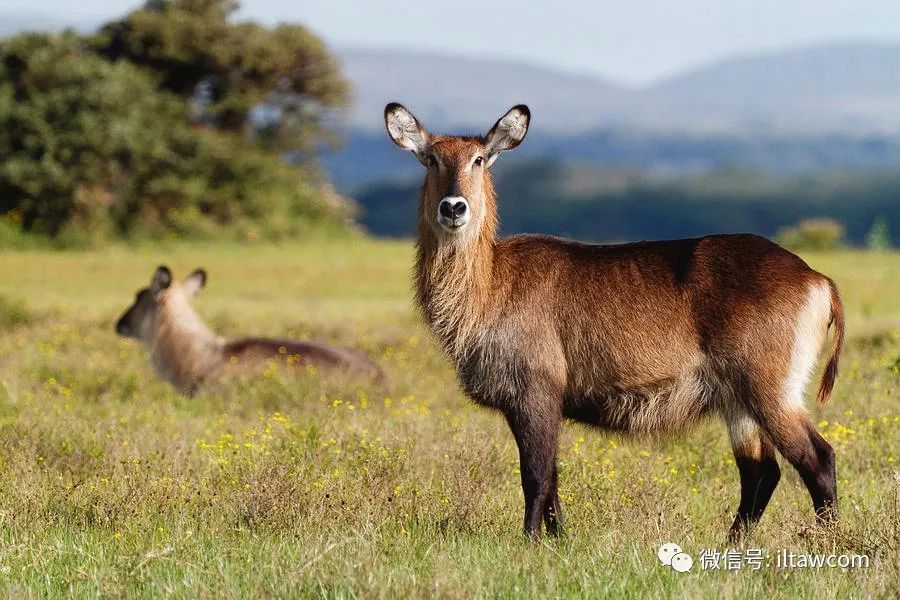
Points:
(405, 130)
(162, 278)
(194, 282)
(508, 132)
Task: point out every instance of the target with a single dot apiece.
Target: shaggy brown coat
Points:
(641, 338)
(186, 353)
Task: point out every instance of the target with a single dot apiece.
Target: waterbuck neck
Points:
(454, 278)
(184, 349)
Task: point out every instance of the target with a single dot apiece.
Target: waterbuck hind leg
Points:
(754, 455)
(814, 460)
(796, 438)
(780, 393)
(537, 435)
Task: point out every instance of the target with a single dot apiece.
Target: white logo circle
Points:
(682, 562)
(667, 551)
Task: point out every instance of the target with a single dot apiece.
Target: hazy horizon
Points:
(635, 45)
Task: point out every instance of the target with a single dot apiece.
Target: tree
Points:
(230, 68)
(74, 128)
(96, 144)
(93, 148)
(878, 239)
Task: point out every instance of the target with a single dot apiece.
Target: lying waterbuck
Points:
(187, 353)
(640, 338)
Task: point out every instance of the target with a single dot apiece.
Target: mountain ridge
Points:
(827, 88)
(845, 86)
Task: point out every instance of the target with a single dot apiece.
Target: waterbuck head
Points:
(139, 321)
(457, 196)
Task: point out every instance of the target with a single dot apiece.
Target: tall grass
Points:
(112, 484)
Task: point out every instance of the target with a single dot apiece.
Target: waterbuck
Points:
(186, 353)
(640, 338)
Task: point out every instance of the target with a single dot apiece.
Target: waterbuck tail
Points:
(837, 342)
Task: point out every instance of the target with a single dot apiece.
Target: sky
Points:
(627, 41)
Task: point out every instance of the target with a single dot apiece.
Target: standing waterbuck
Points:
(641, 338)
(186, 353)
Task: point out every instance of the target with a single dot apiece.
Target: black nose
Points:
(120, 328)
(453, 211)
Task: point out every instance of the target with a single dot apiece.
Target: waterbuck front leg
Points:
(536, 429)
(553, 520)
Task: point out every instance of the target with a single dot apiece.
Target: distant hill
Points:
(449, 92)
(829, 89)
(792, 112)
(840, 88)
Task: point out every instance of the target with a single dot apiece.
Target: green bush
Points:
(812, 234)
(97, 146)
(878, 239)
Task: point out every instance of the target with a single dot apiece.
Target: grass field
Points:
(112, 484)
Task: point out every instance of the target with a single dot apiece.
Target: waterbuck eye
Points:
(431, 160)
(479, 160)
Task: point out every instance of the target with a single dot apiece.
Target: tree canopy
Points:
(148, 125)
(196, 50)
